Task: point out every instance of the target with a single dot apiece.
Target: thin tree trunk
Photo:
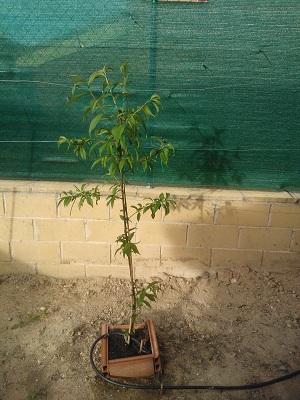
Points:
(129, 257)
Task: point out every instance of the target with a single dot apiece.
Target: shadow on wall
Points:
(15, 230)
(212, 164)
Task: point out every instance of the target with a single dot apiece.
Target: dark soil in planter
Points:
(117, 348)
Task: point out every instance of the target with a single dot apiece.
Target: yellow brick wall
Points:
(210, 229)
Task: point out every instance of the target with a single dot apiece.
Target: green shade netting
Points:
(227, 72)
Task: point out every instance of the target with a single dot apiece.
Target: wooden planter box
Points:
(143, 365)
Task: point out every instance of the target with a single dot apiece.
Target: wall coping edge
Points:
(177, 192)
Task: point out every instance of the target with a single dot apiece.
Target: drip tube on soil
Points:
(184, 387)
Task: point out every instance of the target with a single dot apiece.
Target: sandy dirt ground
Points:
(233, 327)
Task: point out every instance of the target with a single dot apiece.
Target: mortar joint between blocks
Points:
(110, 254)
(216, 211)
(160, 256)
(61, 251)
(239, 237)
(4, 203)
(262, 261)
(292, 239)
(85, 229)
(10, 252)
(34, 230)
(210, 258)
(269, 215)
(186, 234)
(57, 206)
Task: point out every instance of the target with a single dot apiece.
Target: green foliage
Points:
(144, 296)
(114, 195)
(118, 144)
(81, 194)
(117, 130)
(147, 294)
(127, 247)
(164, 201)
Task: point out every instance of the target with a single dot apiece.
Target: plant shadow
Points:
(213, 162)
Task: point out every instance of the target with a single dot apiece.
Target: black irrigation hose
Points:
(185, 387)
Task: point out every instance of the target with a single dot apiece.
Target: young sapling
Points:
(118, 144)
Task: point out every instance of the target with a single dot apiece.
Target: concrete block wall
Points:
(209, 230)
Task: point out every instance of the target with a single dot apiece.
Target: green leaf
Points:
(151, 296)
(144, 164)
(123, 68)
(110, 150)
(89, 201)
(121, 164)
(82, 152)
(127, 249)
(130, 236)
(123, 143)
(95, 75)
(80, 204)
(146, 208)
(95, 121)
(86, 112)
(77, 78)
(156, 107)
(62, 140)
(156, 98)
(117, 132)
(112, 169)
(129, 162)
(96, 162)
(76, 97)
(134, 248)
(97, 102)
(147, 111)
